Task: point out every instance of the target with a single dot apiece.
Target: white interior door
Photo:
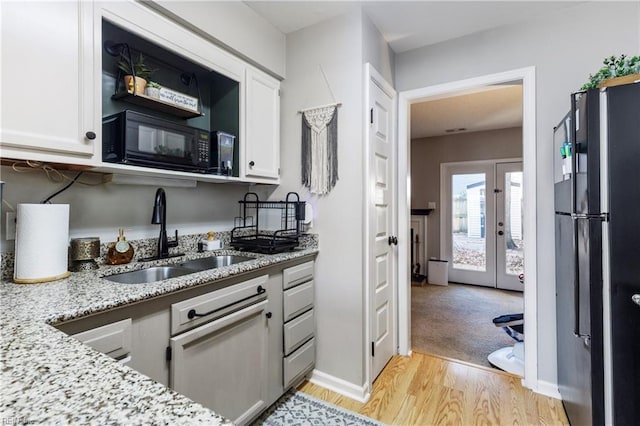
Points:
(469, 223)
(382, 256)
(509, 217)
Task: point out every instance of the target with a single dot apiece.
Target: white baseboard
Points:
(548, 389)
(359, 393)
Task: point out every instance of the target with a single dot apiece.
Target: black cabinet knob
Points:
(261, 289)
(269, 314)
(90, 135)
(251, 163)
(500, 233)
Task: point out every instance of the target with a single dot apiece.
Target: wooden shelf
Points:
(157, 104)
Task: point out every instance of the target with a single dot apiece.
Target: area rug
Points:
(298, 408)
(455, 321)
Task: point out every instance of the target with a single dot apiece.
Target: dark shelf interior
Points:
(156, 104)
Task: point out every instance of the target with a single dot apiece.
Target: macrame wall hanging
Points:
(320, 146)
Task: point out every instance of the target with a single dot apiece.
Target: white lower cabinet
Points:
(299, 347)
(234, 345)
(111, 339)
(223, 364)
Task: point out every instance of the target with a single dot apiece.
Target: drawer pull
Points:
(193, 314)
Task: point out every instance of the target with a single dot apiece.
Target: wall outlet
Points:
(10, 228)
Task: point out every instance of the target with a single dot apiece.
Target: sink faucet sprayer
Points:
(159, 217)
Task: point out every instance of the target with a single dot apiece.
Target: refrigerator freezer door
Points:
(574, 357)
(624, 248)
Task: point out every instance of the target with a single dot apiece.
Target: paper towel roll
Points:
(42, 239)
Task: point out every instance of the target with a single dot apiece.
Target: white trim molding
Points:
(548, 389)
(405, 99)
(327, 381)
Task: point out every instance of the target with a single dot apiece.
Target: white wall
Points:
(341, 46)
(564, 48)
(233, 25)
(98, 211)
(336, 46)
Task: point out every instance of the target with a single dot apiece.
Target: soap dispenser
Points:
(210, 243)
(121, 251)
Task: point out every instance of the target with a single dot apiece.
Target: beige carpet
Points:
(455, 321)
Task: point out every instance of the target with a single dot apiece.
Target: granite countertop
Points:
(49, 377)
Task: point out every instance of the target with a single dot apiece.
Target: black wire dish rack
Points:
(248, 235)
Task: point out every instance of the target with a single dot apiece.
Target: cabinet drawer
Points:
(297, 300)
(112, 339)
(298, 331)
(297, 274)
(299, 362)
(217, 303)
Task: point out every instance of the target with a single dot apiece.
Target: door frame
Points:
(405, 98)
(372, 75)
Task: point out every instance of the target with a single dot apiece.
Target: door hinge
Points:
(373, 348)
(167, 353)
(371, 115)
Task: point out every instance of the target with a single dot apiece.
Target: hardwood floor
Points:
(429, 390)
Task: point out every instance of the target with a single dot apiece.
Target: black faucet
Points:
(159, 217)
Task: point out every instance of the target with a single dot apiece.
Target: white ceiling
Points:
(408, 25)
(485, 108)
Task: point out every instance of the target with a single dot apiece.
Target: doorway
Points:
(481, 222)
(406, 98)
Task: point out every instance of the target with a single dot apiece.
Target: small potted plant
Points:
(616, 71)
(152, 90)
(142, 74)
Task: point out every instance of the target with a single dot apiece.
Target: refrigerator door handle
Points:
(576, 281)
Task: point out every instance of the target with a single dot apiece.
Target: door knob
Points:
(500, 232)
(90, 135)
(636, 299)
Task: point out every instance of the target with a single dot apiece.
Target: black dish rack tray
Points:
(247, 234)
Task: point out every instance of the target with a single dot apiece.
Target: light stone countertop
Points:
(49, 377)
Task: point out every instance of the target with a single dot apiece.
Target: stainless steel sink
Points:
(155, 273)
(159, 273)
(214, 262)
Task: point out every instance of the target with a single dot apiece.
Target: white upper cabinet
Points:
(47, 82)
(261, 159)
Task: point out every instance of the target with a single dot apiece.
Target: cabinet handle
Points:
(269, 314)
(251, 163)
(90, 135)
(193, 314)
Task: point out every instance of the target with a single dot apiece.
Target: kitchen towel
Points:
(42, 239)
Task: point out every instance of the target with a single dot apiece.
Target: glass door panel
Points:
(510, 236)
(467, 237)
(468, 221)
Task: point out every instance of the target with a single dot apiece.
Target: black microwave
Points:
(130, 137)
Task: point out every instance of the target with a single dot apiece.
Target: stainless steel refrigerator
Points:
(597, 225)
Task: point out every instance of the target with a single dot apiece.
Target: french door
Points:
(481, 220)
